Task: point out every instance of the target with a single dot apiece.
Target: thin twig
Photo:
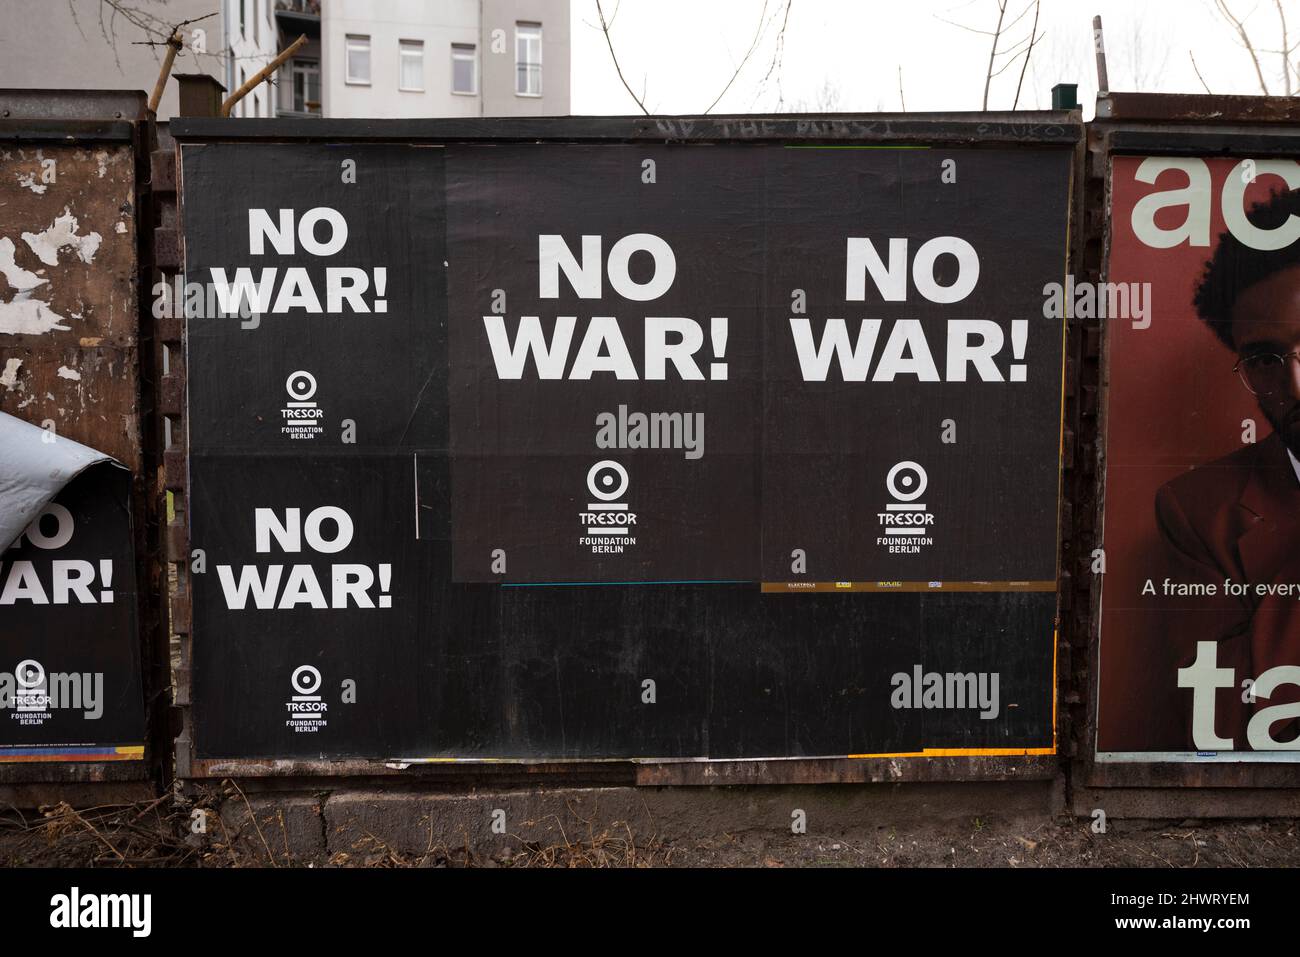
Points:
(1240, 27)
(1198, 72)
(1028, 53)
(1286, 63)
(604, 28)
(758, 34)
(993, 51)
(253, 816)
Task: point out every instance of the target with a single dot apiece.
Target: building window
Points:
(243, 104)
(358, 59)
(528, 59)
(410, 58)
(257, 17)
(306, 86)
(464, 68)
(242, 18)
(257, 105)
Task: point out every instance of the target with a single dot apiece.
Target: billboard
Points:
(1200, 626)
(610, 450)
(70, 677)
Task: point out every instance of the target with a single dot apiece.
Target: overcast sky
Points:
(845, 55)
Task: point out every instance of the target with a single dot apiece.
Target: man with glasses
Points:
(1237, 520)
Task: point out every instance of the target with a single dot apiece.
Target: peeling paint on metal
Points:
(78, 317)
(63, 233)
(19, 278)
(9, 378)
(28, 181)
(29, 317)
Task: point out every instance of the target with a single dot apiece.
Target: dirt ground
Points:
(157, 835)
(1064, 843)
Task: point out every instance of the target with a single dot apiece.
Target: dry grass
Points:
(149, 834)
(238, 832)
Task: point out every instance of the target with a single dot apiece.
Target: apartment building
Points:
(413, 58)
(252, 42)
(298, 88)
(82, 45)
(362, 58)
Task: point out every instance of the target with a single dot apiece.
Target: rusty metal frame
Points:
(85, 117)
(1136, 123)
(1026, 129)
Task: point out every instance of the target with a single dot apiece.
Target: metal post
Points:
(1103, 81)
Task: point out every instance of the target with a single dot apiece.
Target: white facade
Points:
(421, 58)
(251, 42)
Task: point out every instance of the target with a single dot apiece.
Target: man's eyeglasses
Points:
(1265, 372)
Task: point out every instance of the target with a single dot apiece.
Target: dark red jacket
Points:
(1236, 518)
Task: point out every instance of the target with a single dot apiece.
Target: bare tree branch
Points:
(777, 54)
(962, 26)
(1240, 27)
(1286, 63)
(901, 102)
(765, 21)
(158, 29)
(1028, 53)
(1198, 72)
(1021, 48)
(993, 52)
(604, 28)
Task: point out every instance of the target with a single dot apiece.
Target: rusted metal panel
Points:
(64, 105)
(70, 297)
(167, 248)
(1196, 108)
(977, 129)
(654, 774)
(849, 771)
(162, 171)
(65, 133)
(171, 396)
(1204, 140)
(174, 469)
(173, 472)
(68, 315)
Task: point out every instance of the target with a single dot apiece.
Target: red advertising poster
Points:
(1200, 555)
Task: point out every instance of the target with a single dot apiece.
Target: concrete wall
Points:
(63, 44)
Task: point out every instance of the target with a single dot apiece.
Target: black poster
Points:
(912, 411)
(316, 331)
(723, 363)
(491, 447)
(607, 359)
(70, 687)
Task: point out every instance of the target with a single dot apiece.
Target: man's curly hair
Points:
(1235, 266)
